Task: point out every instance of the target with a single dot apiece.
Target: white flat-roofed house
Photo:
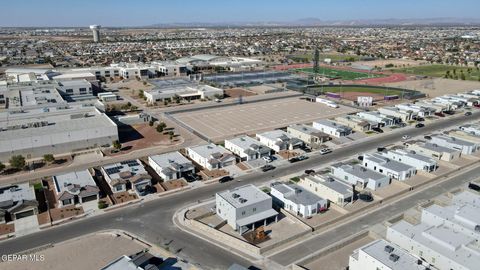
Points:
(437, 107)
(244, 207)
(469, 101)
(354, 122)
(75, 188)
(75, 88)
(465, 147)
(247, 148)
(381, 254)
(435, 151)
(389, 167)
(374, 117)
(471, 129)
(464, 216)
(416, 109)
(120, 176)
(332, 128)
(447, 235)
(171, 166)
(418, 161)
(17, 201)
(405, 115)
(328, 187)
(279, 140)
(462, 135)
(297, 200)
(309, 135)
(452, 104)
(211, 156)
(359, 176)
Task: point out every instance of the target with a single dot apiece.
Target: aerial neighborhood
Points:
(312, 144)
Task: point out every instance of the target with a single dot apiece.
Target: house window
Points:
(254, 209)
(69, 91)
(243, 213)
(118, 188)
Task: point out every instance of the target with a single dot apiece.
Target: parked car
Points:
(474, 186)
(468, 113)
(309, 171)
(379, 130)
(419, 125)
(406, 137)
(268, 159)
(380, 149)
(366, 197)
(325, 151)
(426, 137)
(267, 168)
(440, 114)
(297, 159)
(225, 179)
(449, 112)
(420, 119)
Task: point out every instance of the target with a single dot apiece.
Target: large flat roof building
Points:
(54, 131)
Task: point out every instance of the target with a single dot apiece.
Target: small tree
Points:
(150, 123)
(141, 94)
(160, 128)
(2, 166)
(17, 162)
(171, 134)
(48, 158)
(117, 145)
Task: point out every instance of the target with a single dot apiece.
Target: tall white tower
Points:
(96, 32)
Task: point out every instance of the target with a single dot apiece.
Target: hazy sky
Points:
(147, 12)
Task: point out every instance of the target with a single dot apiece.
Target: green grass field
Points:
(342, 74)
(308, 57)
(444, 71)
(346, 89)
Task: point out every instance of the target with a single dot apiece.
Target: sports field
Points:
(339, 74)
(351, 93)
(444, 71)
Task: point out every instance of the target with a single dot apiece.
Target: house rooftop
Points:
(359, 171)
(244, 196)
(296, 193)
(386, 162)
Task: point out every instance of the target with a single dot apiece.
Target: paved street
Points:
(153, 220)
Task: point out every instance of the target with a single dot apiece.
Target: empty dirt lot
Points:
(227, 122)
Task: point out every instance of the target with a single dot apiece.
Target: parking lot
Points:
(231, 121)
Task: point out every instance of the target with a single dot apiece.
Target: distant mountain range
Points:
(318, 22)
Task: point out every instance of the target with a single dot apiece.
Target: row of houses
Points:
(445, 237)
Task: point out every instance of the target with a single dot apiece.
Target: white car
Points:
(325, 151)
(267, 159)
(406, 137)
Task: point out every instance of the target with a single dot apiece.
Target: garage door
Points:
(89, 198)
(24, 214)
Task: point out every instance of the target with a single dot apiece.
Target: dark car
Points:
(426, 137)
(309, 171)
(293, 160)
(365, 197)
(225, 179)
(440, 114)
(267, 168)
(420, 119)
(449, 112)
(468, 113)
(419, 125)
(379, 130)
(474, 186)
(381, 149)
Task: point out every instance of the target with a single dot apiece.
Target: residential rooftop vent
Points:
(393, 257)
(242, 200)
(235, 195)
(388, 249)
